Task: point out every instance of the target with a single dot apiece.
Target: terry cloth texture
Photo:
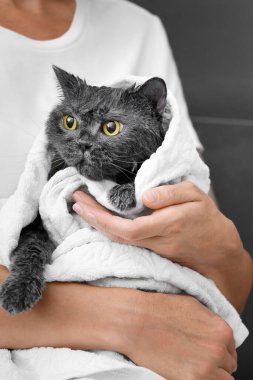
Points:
(83, 254)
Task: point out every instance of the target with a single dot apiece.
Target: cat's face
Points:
(105, 132)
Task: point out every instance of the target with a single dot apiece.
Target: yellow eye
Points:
(111, 128)
(70, 122)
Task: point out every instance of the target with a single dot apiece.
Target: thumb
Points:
(169, 195)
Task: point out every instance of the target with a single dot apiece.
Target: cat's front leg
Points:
(123, 196)
(25, 284)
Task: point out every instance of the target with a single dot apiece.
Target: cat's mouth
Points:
(82, 164)
(85, 161)
(86, 168)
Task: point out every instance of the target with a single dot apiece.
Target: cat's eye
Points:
(69, 122)
(111, 128)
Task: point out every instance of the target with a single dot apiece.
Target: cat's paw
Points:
(123, 196)
(20, 294)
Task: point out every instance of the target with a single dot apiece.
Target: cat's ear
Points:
(155, 90)
(67, 82)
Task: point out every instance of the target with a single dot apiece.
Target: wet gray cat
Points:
(106, 133)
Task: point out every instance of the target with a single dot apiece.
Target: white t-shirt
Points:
(106, 40)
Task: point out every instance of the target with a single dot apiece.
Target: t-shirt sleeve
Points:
(158, 60)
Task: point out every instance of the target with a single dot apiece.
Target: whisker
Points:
(58, 165)
(119, 168)
(57, 161)
(128, 162)
(126, 156)
(129, 171)
(101, 168)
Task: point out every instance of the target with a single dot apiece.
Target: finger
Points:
(221, 374)
(228, 363)
(129, 230)
(232, 351)
(108, 223)
(80, 196)
(168, 195)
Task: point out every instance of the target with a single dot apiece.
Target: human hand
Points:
(179, 338)
(186, 227)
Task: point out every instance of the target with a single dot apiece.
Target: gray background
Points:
(213, 45)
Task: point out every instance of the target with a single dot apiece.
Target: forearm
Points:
(140, 325)
(70, 315)
(233, 276)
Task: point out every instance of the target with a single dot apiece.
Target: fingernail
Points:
(77, 208)
(151, 196)
(76, 197)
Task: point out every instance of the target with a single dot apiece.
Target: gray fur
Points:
(95, 155)
(25, 283)
(118, 157)
(123, 196)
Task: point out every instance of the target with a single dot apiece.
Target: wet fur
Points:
(118, 158)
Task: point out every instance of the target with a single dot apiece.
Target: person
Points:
(104, 40)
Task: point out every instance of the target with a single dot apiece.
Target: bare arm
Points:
(235, 284)
(140, 325)
(69, 315)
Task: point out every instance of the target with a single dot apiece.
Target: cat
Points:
(105, 133)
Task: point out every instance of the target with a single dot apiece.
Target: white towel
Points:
(81, 249)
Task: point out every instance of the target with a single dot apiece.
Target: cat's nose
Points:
(85, 145)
